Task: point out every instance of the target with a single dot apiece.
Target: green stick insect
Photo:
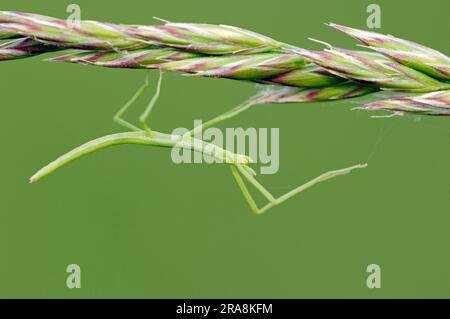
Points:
(144, 135)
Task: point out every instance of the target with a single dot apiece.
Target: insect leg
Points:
(222, 117)
(244, 190)
(276, 201)
(118, 117)
(144, 116)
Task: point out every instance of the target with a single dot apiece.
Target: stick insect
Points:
(142, 134)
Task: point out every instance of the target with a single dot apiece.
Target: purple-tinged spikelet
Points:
(372, 69)
(206, 38)
(434, 103)
(411, 54)
(137, 59)
(242, 67)
(87, 35)
(23, 48)
(279, 94)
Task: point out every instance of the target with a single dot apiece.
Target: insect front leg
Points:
(118, 117)
(145, 115)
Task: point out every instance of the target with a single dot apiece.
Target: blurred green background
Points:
(142, 227)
